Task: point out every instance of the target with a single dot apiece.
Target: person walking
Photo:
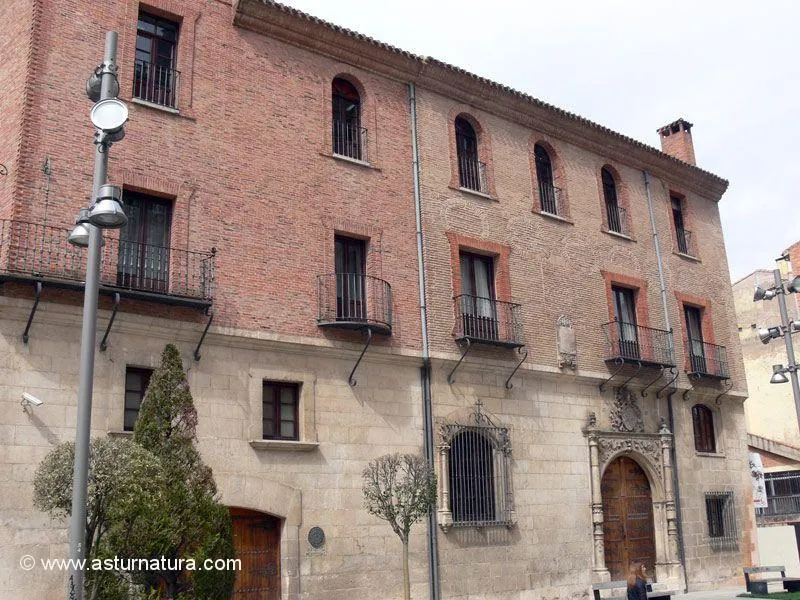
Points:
(637, 581)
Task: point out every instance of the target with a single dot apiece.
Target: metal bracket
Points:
(104, 341)
(33, 312)
(656, 378)
(350, 379)
(620, 363)
(675, 374)
(510, 385)
(203, 337)
(635, 373)
(727, 389)
(450, 378)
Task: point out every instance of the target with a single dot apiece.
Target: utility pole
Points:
(787, 338)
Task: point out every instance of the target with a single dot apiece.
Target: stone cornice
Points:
(773, 447)
(299, 29)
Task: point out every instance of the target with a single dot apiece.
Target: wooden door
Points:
(257, 540)
(627, 518)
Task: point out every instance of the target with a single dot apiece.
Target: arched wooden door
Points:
(627, 517)
(257, 540)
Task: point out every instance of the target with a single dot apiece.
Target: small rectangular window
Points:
(721, 519)
(136, 382)
(280, 410)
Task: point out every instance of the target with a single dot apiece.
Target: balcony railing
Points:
(350, 140)
(685, 242)
(552, 200)
(707, 360)
(636, 343)
(40, 252)
(783, 494)
(488, 321)
(354, 301)
(472, 173)
(156, 83)
(617, 218)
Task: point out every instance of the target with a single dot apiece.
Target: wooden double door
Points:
(257, 540)
(627, 518)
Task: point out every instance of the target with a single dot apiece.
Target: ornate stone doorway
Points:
(627, 517)
(257, 540)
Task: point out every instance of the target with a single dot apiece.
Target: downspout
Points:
(670, 410)
(425, 371)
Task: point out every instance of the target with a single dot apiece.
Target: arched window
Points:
(471, 172)
(548, 193)
(614, 212)
(471, 478)
(348, 135)
(703, 421)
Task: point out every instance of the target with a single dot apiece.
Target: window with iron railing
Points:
(155, 75)
(721, 520)
(349, 138)
(471, 171)
(549, 195)
(783, 494)
(615, 214)
(683, 237)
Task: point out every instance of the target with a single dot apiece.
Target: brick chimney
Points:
(676, 140)
(793, 252)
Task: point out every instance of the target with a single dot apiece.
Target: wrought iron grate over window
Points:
(783, 494)
(707, 360)
(721, 519)
(488, 321)
(155, 76)
(475, 474)
(633, 342)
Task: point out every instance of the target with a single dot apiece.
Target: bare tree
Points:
(400, 489)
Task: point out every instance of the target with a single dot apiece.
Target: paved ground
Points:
(727, 594)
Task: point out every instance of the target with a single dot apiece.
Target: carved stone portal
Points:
(626, 414)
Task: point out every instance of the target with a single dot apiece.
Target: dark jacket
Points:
(638, 591)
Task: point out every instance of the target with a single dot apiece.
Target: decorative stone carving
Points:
(567, 348)
(626, 415)
(649, 447)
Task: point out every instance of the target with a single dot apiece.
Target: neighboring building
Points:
(771, 416)
(270, 177)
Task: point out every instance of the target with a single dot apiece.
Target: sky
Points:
(731, 68)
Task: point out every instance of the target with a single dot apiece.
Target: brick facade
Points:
(246, 161)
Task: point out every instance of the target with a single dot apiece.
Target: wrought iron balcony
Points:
(637, 344)
(783, 494)
(552, 200)
(707, 360)
(35, 252)
(472, 173)
(617, 218)
(354, 301)
(350, 140)
(685, 242)
(488, 321)
(156, 83)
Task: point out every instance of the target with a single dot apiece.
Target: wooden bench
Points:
(623, 585)
(759, 586)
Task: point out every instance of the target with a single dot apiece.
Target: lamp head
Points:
(759, 294)
(79, 236)
(778, 374)
(794, 285)
(107, 212)
(109, 115)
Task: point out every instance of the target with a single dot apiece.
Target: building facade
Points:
(360, 251)
(771, 418)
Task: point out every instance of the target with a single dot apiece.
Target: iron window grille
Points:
(616, 214)
(475, 488)
(471, 171)
(721, 519)
(550, 196)
(155, 76)
(349, 137)
(136, 382)
(783, 494)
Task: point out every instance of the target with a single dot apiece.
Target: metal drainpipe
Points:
(425, 371)
(671, 416)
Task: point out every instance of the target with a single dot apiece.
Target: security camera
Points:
(29, 400)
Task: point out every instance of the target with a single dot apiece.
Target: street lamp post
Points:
(108, 116)
(787, 338)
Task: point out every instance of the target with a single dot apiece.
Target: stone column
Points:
(597, 502)
(444, 512)
(673, 556)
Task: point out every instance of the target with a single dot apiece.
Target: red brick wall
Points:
(247, 162)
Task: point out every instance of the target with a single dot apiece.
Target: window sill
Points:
(120, 434)
(710, 454)
(352, 161)
(554, 217)
(284, 445)
(472, 192)
(161, 108)
(619, 235)
(686, 256)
